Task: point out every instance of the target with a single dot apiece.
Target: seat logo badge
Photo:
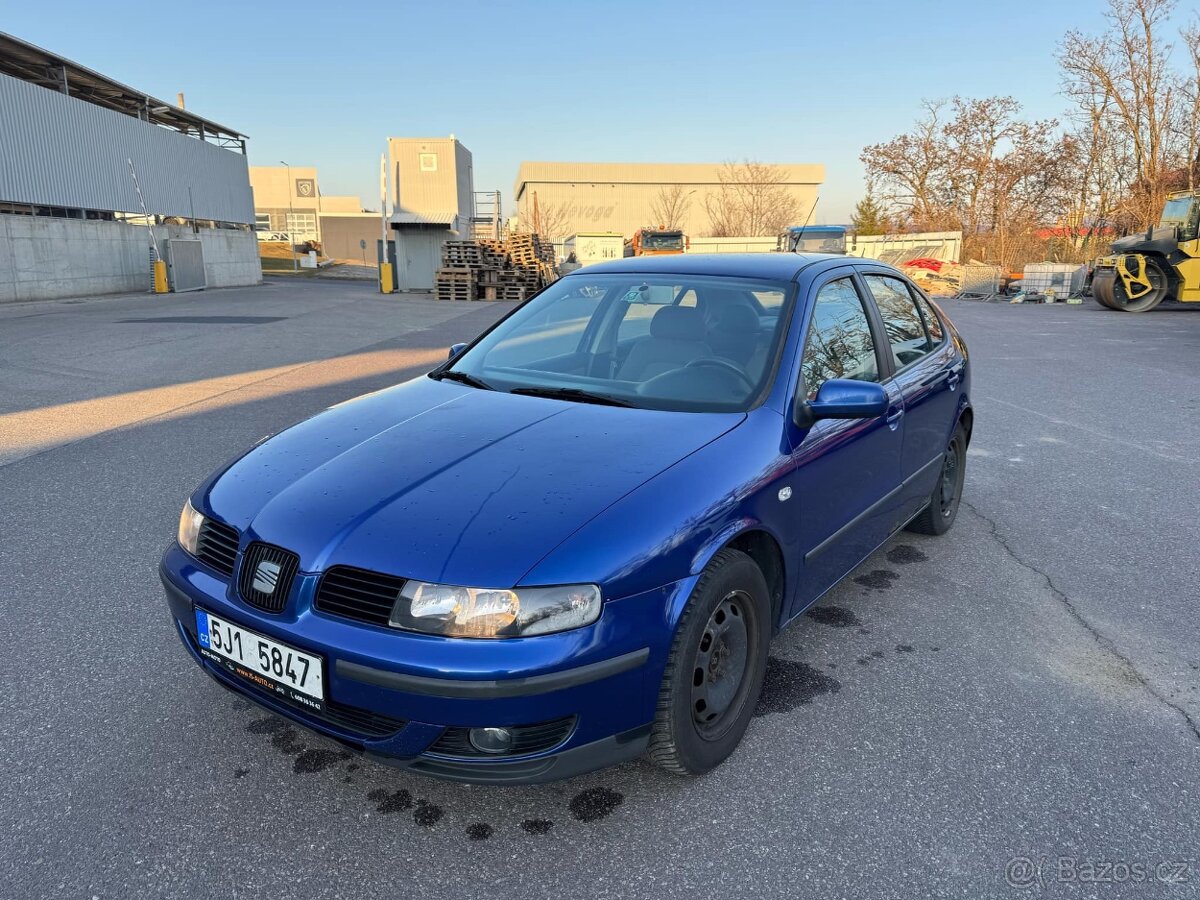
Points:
(266, 576)
(785, 494)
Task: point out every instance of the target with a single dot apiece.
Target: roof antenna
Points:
(800, 234)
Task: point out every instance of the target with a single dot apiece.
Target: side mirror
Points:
(841, 398)
(456, 349)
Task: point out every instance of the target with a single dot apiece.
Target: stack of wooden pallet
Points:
(511, 268)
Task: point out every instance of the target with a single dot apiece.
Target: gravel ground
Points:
(1014, 703)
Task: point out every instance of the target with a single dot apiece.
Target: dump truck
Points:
(812, 239)
(1143, 270)
(655, 242)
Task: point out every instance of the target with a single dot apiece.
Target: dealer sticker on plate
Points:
(272, 666)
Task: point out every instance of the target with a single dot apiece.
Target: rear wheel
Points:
(715, 671)
(942, 510)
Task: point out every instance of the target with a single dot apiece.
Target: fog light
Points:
(491, 740)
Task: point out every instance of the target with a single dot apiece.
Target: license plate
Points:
(275, 667)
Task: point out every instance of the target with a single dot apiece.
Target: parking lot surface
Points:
(956, 719)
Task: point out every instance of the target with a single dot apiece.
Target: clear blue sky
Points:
(324, 84)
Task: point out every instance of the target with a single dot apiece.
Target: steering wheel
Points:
(714, 362)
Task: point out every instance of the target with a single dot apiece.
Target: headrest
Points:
(678, 323)
(737, 319)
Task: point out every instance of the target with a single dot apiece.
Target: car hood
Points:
(441, 482)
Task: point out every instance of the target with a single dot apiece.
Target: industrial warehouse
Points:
(102, 181)
(623, 197)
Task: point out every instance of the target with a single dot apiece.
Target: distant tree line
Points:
(1021, 189)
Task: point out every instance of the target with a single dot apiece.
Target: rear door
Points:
(846, 471)
(926, 371)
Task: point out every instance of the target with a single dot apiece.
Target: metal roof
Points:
(411, 218)
(31, 63)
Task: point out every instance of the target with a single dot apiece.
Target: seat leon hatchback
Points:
(571, 543)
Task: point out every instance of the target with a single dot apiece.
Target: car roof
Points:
(771, 266)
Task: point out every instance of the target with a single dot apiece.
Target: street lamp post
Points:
(291, 218)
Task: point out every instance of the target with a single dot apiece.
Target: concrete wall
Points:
(340, 236)
(44, 258)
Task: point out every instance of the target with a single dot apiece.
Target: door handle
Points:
(954, 378)
(893, 418)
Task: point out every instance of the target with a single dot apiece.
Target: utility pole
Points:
(291, 217)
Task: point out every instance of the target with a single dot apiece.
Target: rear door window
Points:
(901, 319)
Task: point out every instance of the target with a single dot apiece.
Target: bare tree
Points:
(670, 206)
(1129, 65)
(547, 220)
(753, 200)
(975, 166)
(1191, 93)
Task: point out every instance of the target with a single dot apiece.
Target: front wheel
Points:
(715, 671)
(942, 510)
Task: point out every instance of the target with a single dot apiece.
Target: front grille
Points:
(266, 577)
(217, 545)
(528, 739)
(358, 594)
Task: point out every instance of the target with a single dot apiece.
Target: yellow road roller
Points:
(1164, 263)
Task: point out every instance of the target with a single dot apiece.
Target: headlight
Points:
(485, 613)
(189, 527)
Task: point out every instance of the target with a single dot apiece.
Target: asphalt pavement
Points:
(1011, 709)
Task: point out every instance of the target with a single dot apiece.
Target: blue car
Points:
(571, 544)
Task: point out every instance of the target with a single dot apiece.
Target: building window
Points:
(262, 221)
(302, 226)
(428, 162)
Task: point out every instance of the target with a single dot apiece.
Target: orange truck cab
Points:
(656, 242)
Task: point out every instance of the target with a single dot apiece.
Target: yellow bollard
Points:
(385, 278)
(160, 277)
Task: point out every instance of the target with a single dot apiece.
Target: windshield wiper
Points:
(464, 378)
(576, 394)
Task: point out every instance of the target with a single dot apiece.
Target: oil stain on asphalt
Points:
(905, 554)
(479, 831)
(395, 802)
(315, 760)
(595, 803)
(835, 616)
(877, 579)
(536, 826)
(790, 684)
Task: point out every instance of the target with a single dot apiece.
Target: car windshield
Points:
(815, 241)
(689, 343)
(662, 240)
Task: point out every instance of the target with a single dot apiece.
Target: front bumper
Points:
(390, 695)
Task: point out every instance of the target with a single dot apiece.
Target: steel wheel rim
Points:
(721, 663)
(1156, 277)
(948, 486)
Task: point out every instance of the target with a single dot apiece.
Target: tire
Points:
(729, 608)
(939, 515)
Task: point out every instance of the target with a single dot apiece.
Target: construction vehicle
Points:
(812, 239)
(1145, 269)
(655, 242)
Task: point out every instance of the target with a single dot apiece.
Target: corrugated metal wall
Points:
(56, 150)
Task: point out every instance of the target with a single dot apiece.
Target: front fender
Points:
(669, 529)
